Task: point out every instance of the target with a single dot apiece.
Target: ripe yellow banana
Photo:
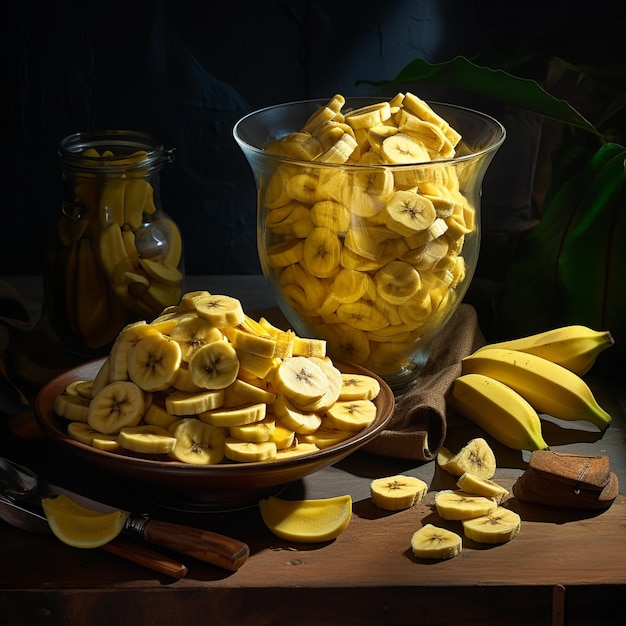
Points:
(575, 347)
(547, 386)
(499, 410)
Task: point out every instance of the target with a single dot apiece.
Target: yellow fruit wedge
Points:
(307, 521)
(80, 527)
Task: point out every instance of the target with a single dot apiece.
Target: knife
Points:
(216, 549)
(27, 518)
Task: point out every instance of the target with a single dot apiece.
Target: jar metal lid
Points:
(113, 151)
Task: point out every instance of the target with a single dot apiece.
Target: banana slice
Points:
(72, 407)
(245, 341)
(247, 452)
(299, 449)
(198, 443)
(157, 415)
(326, 437)
(146, 439)
(401, 148)
(352, 415)
(242, 392)
(221, 311)
(180, 403)
(408, 212)
(301, 381)
(283, 436)
(192, 333)
(335, 383)
(358, 387)
(256, 432)
(80, 388)
(397, 282)
(301, 422)
(214, 365)
(458, 505)
(395, 493)
(470, 483)
(153, 362)
(432, 542)
(81, 431)
(476, 457)
(321, 253)
(498, 526)
(118, 405)
(235, 417)
(128, 337)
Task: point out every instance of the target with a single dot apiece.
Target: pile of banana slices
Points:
(477, 502)
(205, 383)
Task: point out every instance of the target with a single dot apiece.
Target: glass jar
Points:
(114, 256)
(374, 257)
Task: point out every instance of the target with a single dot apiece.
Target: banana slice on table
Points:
(214, 365)
(153, 362)
(476, 457)
(395, 493)
(458, 505)
(118, 405)
(432, 542)
(498, 526)
(198, 443)
(469, 483)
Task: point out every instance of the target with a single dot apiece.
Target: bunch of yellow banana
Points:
(204, 382)
(120, 260)
(369, 256)
(505, 386)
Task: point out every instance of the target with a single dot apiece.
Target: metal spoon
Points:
(21, 483)
(17, 481)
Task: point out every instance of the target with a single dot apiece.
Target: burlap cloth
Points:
(418, 426)
(416, 431)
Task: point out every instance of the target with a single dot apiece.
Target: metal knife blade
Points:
(207, 546)
(31, 519)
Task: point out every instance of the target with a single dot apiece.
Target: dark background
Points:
(187, 71)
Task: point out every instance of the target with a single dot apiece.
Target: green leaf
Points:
(520, 92)
(570, 267)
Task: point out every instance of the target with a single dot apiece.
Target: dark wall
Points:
(185, 72)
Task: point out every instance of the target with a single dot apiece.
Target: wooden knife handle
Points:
(146, 557)
(201, 544)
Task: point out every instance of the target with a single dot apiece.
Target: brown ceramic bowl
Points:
(182, 486)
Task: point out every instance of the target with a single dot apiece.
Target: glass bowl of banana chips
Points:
(369, 220)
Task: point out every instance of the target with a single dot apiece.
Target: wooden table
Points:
(565, 567)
